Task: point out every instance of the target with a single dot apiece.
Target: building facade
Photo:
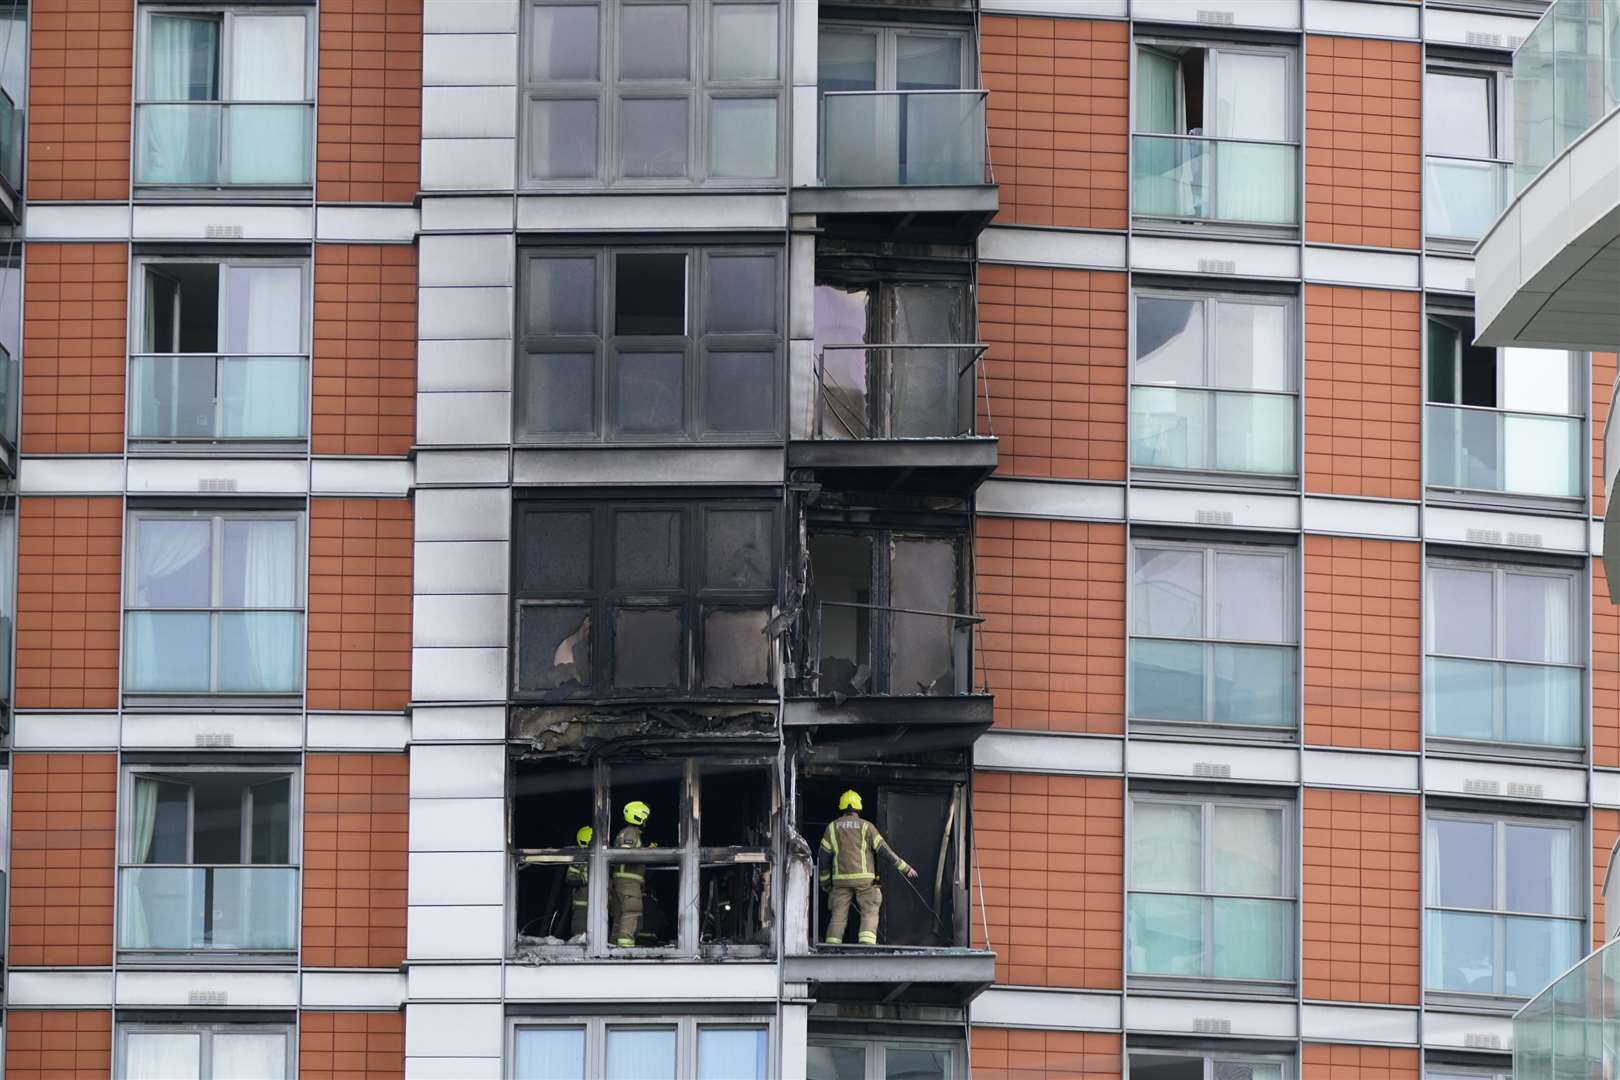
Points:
(1058, 421)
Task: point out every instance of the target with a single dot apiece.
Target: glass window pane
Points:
(1253, 939)
(1537, 951)
(731, 1053)
(267, 58)
(742, 138)
(1251, 346)
(162, 1055)
(1249, 597)
(554, 647)
(178, 144)
(745, 41)
(1445, 349)
(736, 652)
(742, 294)
(737, 549)
(562, 296)
(171, 562)
(1539, 872)
(649, 294)
(559, 393)
(927, 63)
(563, 42)
(263, 397)
(835, 1062)
(1166, 846)
(916, 1063)
(1250, 96)
(1461, 951)
(557, 556)
(267, 144)
(846, 60)
(652, 41)
(1537, 380)
(1254, 684)
(1167, 681)
(1169, 592)
(263, 309)
(562, 139)
(651, 392)
(182, 58)
(647, 549)
(1457, 115)
(268, 819)
(640, 1053)
(1253, 432)
(739, 391)
(166, 651)
(922, 648)
(260, 652)
(1170, 428)
(1166, 934)
(1170, 341)
(646, 648)
(1537, 618)
(1460, 611)
(1462, 855)
(652, 134)
(259, 564)
(1248, 850)
(549, 1054)
(241, 1056)
(174, 397)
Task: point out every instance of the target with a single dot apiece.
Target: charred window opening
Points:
(655, 877)
(644, 598)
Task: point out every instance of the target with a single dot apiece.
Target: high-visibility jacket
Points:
(579, 879)
(847, 848)
(629, 836)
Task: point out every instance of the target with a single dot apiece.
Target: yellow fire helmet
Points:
(637, 812)
(849, 800)
(583, 837)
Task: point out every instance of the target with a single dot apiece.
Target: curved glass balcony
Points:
(1566, 77)
(1572, 1028)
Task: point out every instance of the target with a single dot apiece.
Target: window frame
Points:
(217, 516)
(875, 1049)
(886, 65)
(1163, 44)
(1211, 1058)
(1290, 878)
(606, 347)
(1498, 82)
(143, 266)
(206, 1030)
(699, 90)
(1455, 321)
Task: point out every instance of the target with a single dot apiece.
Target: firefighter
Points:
(847, 871)
(579, 884)
(629, 879)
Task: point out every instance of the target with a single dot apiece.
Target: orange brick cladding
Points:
(354, 860)
(63, 813)
(1363, 159)
(359, 603)
(365, 349)
(79, 63)
(1057, 116)
(1603, 375)
(1605, 672)
(1014, 1054)
(67, 602)
(74, 335)
(1362, 647)
(1321, 1062)
(369, 128)
(58, 1045)
(1363, 392)
(351, 1046)
(1056, 370)
(1050, 849)
(1362, 897)
(1053, 643)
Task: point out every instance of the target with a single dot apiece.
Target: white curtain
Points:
(268, 142)
(163, 547)
(1158, 90)
(162, 1055)
(164, 645)
(263, 382)
(179, 144)
(640, 1053)
(549, 1053)
(1165, 183)
(1250, 101)
(136, 933)
(242, 1056)
(270, 581)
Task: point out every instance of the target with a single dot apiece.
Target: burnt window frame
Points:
(606, 346)
(692, 598)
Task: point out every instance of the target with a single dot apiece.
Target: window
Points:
(888, 612)
(1504, 903)
(1214, 634)
(226, 98)
(898, 106)
(832, 1057)
(214, 603)
(703, 864)
(1505, 651)
(1465, 133)
(631, 1048)
(1503, 421)
(220, 352)
(1214, 384)
(651, 345)
(1211, 889)
(1467, 1072)
(8, 595)
(1218, 1065)
(653, 597)
(1215, 133)
(208, 861)
(169, 1051)
(867, 388)
(671, 93)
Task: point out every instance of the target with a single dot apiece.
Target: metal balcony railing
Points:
(872, 649)
(900, 392)
(1191, 178)
(903, 138)
(207, 908)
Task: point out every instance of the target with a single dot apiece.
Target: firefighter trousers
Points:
(868, 899)
(624, 908)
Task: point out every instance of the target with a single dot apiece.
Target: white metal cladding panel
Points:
(1053, 501)
(640, 465)
(468, 164)
(1524, 531)
(1079, 9)
(481, 213)
(428, 982)
(464, 419)
(1364, 269)
(471, 259)
(268, 730)
(360, 476)
(461, 566)
(463, 932)
(1448, 275)
(460, 467)
(1475, 28)
(1359, 18)
(474, 311)
(650, 213)
(1058, 1010)
(1354, 1024)
(1504, 780)
(1241, 510)
(464, 514)
(457, 723)
(150, 222)
(64, 731)
(1258, 14)
(1360, 517)
(459, 621)
(736, 981)
(70, 476)
(480, 112)
(457, 877)
(453, 1031)
(476, 364)
(1199, 761)
(367, 223)
(1013, 751)
(452, 1068)
(47, 222)
(470, 16)
(353, 989)
(1050, 247)
(47, 989)
(1190, 1015)
(1467, 1031)
(458, 772)
(458, 674)
(1348, 769)
(183, 476)
(458, 825)
(462, 59)
(358, 731)
(1214, 257)
(172, 989)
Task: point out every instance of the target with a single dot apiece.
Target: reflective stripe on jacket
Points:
(848, 844)
(629, 837)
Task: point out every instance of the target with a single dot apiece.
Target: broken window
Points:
(644, 598)
(886, 613)
(667, 879)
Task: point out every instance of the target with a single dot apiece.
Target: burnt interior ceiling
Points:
(587, 730)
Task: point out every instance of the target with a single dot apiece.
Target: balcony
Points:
(1462, 198)
(10, 398)
(1531, 455)
(219, 144)
(1240, 432)
(1185, 179)
(1572, 1028)
(207, 909)
(903, 164)
(202, 399)
(899, 417)
(1497, 701)
(1566, 77)
(11, 154)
